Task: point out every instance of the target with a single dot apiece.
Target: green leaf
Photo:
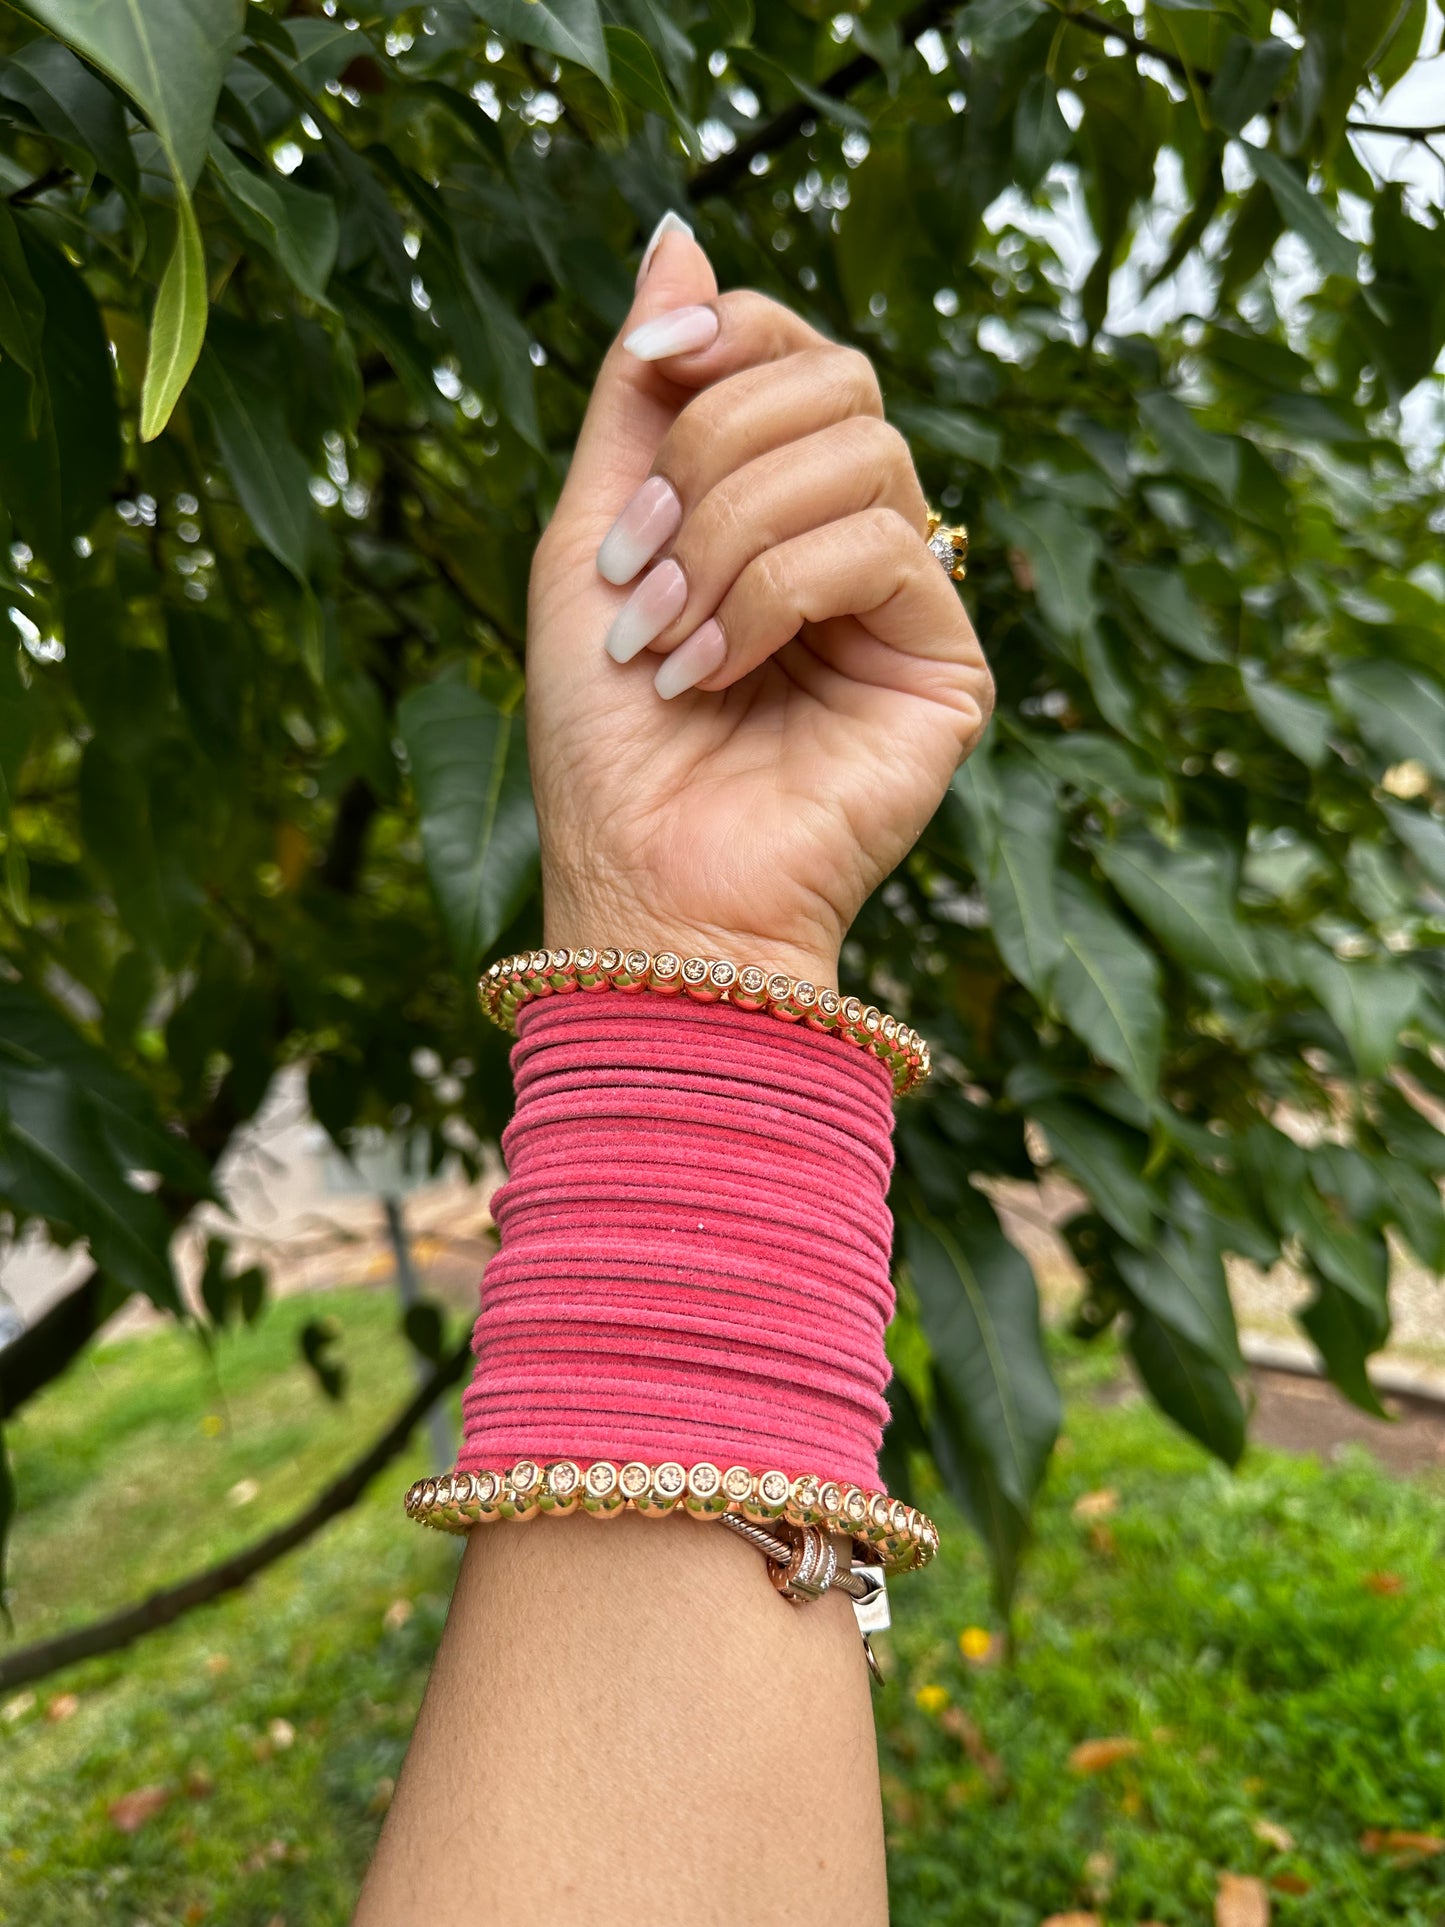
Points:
(1099, 765)
(951, 430)
(1019, 882)
(1181, 1283)
(178, 326)
(1164, 601)
(1371, 1004)
(636, 74)
(1188, 1386)
(1305, 212)
(1345, 1333)
(1399, 712)
(571, 29)
(1423, 835)
(1299, 722)
(508, 347)
(1187, 896)
(35, 1034)
(979, 1306)
(1108, 1160)
(264, 464)
(1247, 79)
(1107, 986)
(168, 55)
(734, 20)
(478, 827)
(57, 472)
(1194, 451)
(292, 223)
(137, 835)
(22, 309)
(55, 1162)
(1041, 134)
(1064, 553)
(74, 107)
(425, 1329)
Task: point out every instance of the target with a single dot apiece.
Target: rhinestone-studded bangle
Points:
(898, 1535)
(514, 981)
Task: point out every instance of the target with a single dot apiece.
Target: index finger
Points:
(700, 344)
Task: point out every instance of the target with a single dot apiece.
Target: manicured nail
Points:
(652, 517)
(678, 333)
(669, 224)
(692, 662)
(658, 599)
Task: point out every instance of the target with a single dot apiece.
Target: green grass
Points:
(1234, 1628)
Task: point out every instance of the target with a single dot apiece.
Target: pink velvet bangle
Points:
(695, 1239)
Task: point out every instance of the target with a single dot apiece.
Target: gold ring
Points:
(949, 542)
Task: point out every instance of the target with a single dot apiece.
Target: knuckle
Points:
(724, 522)
(858, 372)
(764, 580)
(890, 530)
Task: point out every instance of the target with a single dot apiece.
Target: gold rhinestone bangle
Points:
(512, 982)
(897, 1535)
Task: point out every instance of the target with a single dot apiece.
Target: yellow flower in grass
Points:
(974, 1643)
(931, 1698)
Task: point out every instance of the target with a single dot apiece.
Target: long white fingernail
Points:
(692, 662)
(669, 224)
(652, 517)
(658, 599)
(680, 333)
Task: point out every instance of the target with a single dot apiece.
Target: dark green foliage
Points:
(263, 792)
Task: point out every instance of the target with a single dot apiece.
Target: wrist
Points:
(573, 920)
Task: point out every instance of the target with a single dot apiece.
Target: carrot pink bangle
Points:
(688, 1303)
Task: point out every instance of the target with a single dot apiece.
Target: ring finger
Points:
(838, 471)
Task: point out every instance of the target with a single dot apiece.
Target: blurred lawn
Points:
(1270, 1646)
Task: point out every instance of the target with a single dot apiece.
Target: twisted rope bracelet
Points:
(897, 1535)
(514, 981)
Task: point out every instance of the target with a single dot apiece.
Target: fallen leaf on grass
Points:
(1386, 1584)
(1399, 1840)
(1289, 1883)
(1072, 1920)
(218, 1663)
(1242, 1901)
(195, 1913)
(1094, 1756)
(131, 1811)
(1274, 1835)
(1096, 1505)
(959, 1726)
(63, 1707)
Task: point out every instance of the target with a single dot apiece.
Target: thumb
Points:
(633, 405)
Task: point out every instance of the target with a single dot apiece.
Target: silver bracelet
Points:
(806, 1565)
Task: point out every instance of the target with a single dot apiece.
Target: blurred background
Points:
(299, 307)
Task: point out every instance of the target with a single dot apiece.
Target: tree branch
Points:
(719, 175)
(42, 184)
(120, 1629)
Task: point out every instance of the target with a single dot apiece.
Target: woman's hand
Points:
(749, 681)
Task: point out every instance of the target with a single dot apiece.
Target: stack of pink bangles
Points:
(687, 1308)
(515, 981)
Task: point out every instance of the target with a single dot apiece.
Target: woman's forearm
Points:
(626, 1724)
